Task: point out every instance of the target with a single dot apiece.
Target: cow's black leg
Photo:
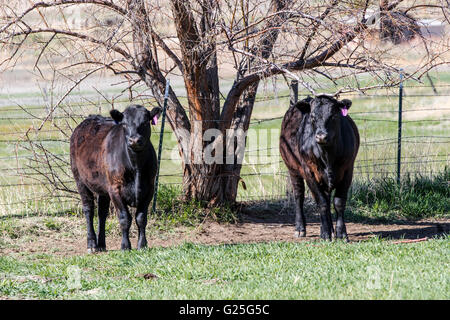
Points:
(323, 202)
(326, 227)
(103, 209)
(87, 200)
(124, 220)
(299, 193)
(339, 207)
(339, 201)
(141, 221)
(125, 224)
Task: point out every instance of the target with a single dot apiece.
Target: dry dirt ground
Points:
(70, 239)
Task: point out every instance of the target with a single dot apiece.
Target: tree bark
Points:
(212, 183)
(217, 184)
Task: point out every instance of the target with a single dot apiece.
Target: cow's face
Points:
(325, 113)
(136, 124)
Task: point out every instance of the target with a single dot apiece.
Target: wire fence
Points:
(34, 147)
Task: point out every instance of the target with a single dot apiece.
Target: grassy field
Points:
(424, 152)
(311, 270)
(374, 268)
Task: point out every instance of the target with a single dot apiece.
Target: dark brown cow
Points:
(319, 143)
(114, 159)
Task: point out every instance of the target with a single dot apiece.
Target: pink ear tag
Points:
(155, 120)
(344, 112)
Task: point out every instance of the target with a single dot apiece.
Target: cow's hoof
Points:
(342, 234)
(126, 244)
(326, 236)
(91, 250)
(100, 249)
(300, 234)
(125, 247)
(142, 243)
(141, 247)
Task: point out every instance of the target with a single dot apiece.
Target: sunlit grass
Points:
(375, 269)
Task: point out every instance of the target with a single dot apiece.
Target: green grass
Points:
(173, 210)
(375, 269)
(417, 197)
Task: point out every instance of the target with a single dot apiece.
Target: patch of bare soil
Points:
(257, 226)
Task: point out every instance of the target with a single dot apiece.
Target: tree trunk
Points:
(214, 183)
(217, 184)
(206, 183)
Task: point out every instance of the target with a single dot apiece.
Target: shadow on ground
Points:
(65, 234)
(436, 229)
(360, 226)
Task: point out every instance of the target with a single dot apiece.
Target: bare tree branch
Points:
(68, 33)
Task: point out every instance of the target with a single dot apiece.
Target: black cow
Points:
(319, 143)
(114, 159)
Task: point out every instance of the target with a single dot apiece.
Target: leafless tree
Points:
(148, 41)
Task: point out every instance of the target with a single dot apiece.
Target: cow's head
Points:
(324, 113)
(136, 124)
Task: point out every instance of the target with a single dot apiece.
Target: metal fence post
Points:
(161, 136)
(399, 138)
(293, 92)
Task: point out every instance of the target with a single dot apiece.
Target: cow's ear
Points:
(116, 115)
(347, 103)
(304, 105)
(154, 115)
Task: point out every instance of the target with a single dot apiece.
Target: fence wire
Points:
(33, 161)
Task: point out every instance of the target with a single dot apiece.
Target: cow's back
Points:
(86, 152)
(289, 138)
